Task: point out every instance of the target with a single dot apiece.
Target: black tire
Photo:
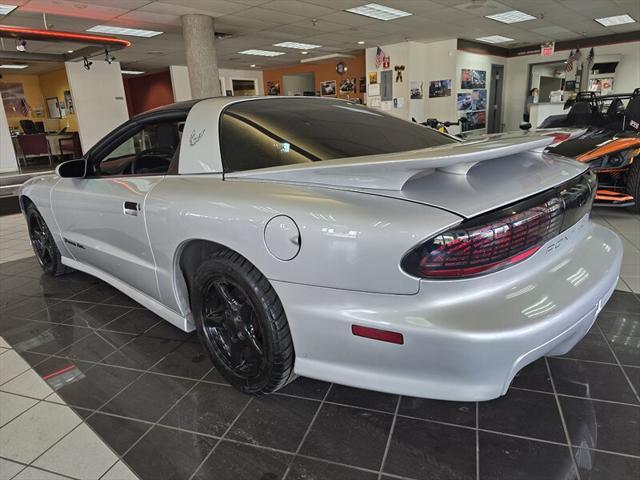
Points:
(44, 246)
(633, 184)
(242, 324)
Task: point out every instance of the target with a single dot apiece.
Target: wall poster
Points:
(473, 79)
(440, 88)
(68, 101)
(417, 90)
(472, 101)
(473, 120)
(15, 103)
(328, 88)
(373, 78)
(273, 87)
(348, 85)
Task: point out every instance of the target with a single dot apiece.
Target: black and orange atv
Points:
(610, 145)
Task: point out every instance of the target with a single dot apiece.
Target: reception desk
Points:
(540, 111)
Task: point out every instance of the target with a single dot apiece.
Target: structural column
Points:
(202, 61)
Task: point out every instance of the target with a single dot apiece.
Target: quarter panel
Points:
(349, 240)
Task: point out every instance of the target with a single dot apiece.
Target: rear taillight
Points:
(500, 239)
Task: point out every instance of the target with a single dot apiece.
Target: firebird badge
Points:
(195, 137)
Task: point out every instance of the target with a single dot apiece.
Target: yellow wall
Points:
(37, 88)
(32, 92)
(53, 84)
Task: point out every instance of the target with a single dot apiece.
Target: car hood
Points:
(467, 178)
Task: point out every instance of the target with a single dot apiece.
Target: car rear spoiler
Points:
(392, 171)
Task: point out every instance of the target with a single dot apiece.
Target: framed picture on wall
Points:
(470, 78)
(273, 87)
(439, 88)
(68, 100)
(328, 88)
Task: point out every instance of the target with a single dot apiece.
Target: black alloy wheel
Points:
(241, 323)
(44, 246)
(231, 327)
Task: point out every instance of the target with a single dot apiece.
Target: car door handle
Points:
(131, 208)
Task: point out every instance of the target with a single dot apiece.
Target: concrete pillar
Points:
(202, 61)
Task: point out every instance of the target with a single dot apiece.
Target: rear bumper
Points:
(463, 339)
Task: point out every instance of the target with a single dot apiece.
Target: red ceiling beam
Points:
(57, 36)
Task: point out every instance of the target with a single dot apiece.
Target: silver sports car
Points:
(315, 237)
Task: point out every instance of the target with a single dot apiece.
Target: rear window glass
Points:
(268, 133)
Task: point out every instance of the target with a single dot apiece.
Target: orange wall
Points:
(54, 84)
(37, 88)
(323, 72)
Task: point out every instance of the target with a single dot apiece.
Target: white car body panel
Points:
(464, 339)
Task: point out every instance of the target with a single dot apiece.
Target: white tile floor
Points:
(41, 438)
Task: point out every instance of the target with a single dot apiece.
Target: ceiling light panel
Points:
(131, 72)
(132, 32)
(495, 39)
(14, 66)
(379, 12)
(4, 8)
(616, 20)
(261, 53)
(512, 16)
(300, 46)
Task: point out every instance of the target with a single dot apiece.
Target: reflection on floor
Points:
(94, 386)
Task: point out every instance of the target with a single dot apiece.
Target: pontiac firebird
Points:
(316, 237)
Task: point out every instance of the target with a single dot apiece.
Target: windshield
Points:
(274, 132)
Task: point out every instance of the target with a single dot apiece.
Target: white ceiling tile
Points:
(72, 9)
(351, 19)
(215, 8)
(296, 7)
(264, 14)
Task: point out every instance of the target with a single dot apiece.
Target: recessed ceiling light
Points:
(361, 42)
(253, 65)
(495, 39)
(379, 12)
(131, 72)
(4, 8)
(14, 66)
(261, 53)
(512, 16)
(132, 32)
(301, 46)
(304, 53)
(69, 51)
(616, 20)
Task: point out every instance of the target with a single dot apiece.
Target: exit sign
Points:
(547, 49)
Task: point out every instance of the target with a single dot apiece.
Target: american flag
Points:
(24, 107)
(590, 57)
(574, 57)
(379, 57)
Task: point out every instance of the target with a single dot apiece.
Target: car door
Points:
(101, 217)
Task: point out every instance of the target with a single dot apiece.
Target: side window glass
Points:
(148, 151)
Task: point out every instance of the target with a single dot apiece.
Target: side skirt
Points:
(183, 323)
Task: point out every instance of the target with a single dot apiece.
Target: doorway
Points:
(299, 84)
(494, 124)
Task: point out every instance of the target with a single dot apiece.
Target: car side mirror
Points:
(525, 126)
(72, 168)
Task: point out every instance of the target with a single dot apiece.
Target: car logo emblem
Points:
(195, 137)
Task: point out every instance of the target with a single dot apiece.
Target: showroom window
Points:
(274, 132)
